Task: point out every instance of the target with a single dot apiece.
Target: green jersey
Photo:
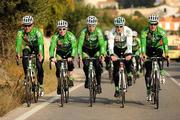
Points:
(65, 43)
(156, 39)
(34, 38)
(91, 41)
(136, 46)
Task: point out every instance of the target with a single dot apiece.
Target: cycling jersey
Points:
(136, 46)
(64, 44)
(91, 41)
(120, 40)
(33, 39)
(156, 39)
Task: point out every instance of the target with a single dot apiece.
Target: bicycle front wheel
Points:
(91, 90)
(60, 83)
(122, 80)
(156, 90)
(66, 89)
(28, 89)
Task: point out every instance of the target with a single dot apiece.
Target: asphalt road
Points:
(106, 106)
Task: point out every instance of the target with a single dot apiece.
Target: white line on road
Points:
(174, 80)
(42, 105)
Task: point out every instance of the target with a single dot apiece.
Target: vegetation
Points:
(46, 14)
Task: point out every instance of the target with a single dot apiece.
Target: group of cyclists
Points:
(121, 41)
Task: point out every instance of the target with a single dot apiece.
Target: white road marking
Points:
(174, 80)
(42, 105)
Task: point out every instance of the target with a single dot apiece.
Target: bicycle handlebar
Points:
(160, 58)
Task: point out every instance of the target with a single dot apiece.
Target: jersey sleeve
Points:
(111, 43)
(81, 42)
(40, 41)
(129, 40)
(73, 45)
(165, 41)
(101, 42)
(143, 41)
(52, 45)
(19, 40)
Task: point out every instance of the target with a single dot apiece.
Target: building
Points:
(170, 23)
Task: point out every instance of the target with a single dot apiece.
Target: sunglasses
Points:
(154, 24)
(119, 26)
(27, 25)
(89, 26)
(62, 29)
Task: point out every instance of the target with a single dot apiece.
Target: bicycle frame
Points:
(63, 82)
(92, 81)
(122, 80)
(155, 82)
(31, 83)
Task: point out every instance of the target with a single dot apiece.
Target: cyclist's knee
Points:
(26, 52)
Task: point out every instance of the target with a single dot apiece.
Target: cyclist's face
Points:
(28, 28)
(153, 26)
(119, 29)
(91, 28)
(62, 31)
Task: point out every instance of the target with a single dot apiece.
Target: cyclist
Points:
(153, 42)
(120, 42)
(91, 44)
(29, 39)
(63, 46)
(136, 50)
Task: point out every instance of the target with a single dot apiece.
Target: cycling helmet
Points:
(91, 20)
(28, 20)
(153, 19)
(62, 23)
(135, 33)
(119, 21)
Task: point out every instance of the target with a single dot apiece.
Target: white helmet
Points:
(135, 33)
(28, 20)
(91, 20)
(153, 19)
(62, 23)
(119, 21)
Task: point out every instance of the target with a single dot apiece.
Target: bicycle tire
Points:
(122, 89)
(35, 88)
(66, 90)
(62, 91)
(157, 90)
(28, 89)
(94, 89)
(90, 88)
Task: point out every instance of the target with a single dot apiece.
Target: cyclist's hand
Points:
(128, 57)
(17, 57)
(113, 58)
(102, 58)
(70, 59)
(40, 57)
